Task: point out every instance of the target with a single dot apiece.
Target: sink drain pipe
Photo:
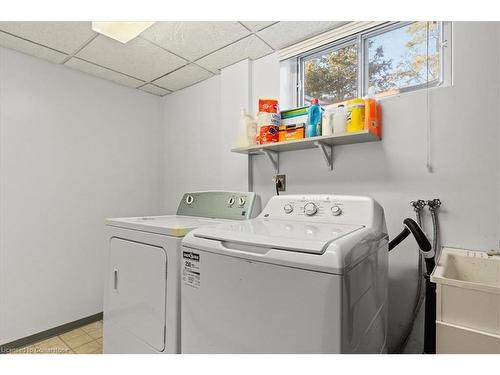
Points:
(430, 287)
(427, 251)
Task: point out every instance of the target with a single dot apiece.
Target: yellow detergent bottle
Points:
(355, 115)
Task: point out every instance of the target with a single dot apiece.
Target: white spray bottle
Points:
(247, 131)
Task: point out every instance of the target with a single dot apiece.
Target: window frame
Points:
(359, 39)
(317, 52)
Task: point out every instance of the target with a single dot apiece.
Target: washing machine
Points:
(142, 293)
(308, 275)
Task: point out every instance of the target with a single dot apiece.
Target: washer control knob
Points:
(230, 201)
(288, 208)
(310, 209)
(241, 201)
(189, 199)
(336, 210)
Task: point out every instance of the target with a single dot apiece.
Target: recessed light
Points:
(120, 31)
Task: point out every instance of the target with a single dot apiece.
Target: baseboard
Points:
(25, 341)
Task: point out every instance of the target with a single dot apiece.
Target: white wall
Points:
(465, 139)
(74, 150)
(199, 130)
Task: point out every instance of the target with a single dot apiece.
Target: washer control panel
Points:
(334, 208)
(312, 208)
(220, 204)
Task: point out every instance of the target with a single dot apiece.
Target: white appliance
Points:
(309, 275)
(142, 294)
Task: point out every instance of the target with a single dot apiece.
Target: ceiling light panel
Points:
(66, 37)
(121, 31)
(251, 47)
(193, 40)
(138, 58)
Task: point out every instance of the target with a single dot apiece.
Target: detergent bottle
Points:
(313, 119)
(339, 120)
(373, 114)
(327, 121)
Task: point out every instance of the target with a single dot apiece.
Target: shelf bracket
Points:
(327, 153)
(274, 158)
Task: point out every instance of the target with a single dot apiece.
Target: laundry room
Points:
(202, 185)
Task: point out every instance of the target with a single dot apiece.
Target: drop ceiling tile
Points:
(152, 89)
(251, 47)
(137, 58)
(21, 45)
(284, 34)
(63, 36)
(257, 25)
(101, 72)
(185, 76)
(193, 40)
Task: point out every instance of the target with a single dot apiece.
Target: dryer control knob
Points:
(230, 201)
(336, 210)
(189, 199)
(241, 201)
(310, 209)
(288, 208)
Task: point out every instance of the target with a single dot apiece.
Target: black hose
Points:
(430, 263)
(399, 238)
(430, 316)
(412, 227)
(419, 235)
(423, 243)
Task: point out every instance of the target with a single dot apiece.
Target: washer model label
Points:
(191, 270)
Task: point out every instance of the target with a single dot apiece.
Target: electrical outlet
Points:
(282, 181)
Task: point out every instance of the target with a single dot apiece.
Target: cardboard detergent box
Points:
(291, 132)
(294, 116)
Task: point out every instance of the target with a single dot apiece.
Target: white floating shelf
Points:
(325, 143)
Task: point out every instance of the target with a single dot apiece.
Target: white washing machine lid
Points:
(169, 225)
(294, 236)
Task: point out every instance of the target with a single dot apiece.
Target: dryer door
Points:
(137, 283)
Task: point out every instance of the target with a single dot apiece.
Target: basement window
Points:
(331, 75)
(391, 58)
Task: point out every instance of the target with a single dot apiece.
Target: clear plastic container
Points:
(339, 120)
(327, 121)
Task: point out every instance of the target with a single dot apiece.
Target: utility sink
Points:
(469, 268)
(467, 301)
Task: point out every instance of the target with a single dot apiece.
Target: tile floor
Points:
(83, 340)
